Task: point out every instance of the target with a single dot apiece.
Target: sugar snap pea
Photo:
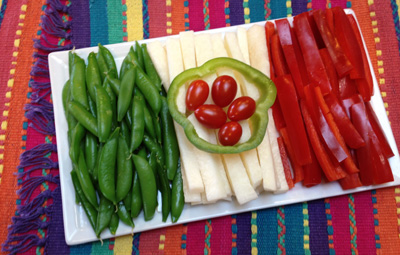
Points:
(106, 167)
(124, 215)
(148, 186)
(136, 198)
(128, 201)
(127, 63)
(103, 68)
(152, 159)
(165, 191)
(83, 116)
(148, 122)
(114, 223)
(153, 146)
(149, 90)
(104, 113)
(149, 67)
(177, 196)
(113, 101)
(77, 134)
(124, 170)
(139, 55)
(109, 59)
(93, 77)
(78, 81)
(96, 168)
(66, 95)
(138, 123)
(91, 152)
(106, 210)
(115, 84)
(126, 93)
(86, 182)
(125, 132)
(92, 107)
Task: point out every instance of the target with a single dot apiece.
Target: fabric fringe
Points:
(21, 237)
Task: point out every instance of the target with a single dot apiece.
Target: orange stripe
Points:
(173, 240)
(19, 90)
(387, 216)
(178, 20)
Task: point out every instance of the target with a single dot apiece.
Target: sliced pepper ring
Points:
(259, 119)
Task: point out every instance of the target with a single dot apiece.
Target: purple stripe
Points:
(80, 23)
(236, 14)
(56, 241)
(243, 242)
(318, 227)
(299, 6)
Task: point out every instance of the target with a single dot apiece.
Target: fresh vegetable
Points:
(211, 116)
(242, 108)
(229, 134)
(196, 94)
(223, 90)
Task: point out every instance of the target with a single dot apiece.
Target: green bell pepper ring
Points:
(259, 119)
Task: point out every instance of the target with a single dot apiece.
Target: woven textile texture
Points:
(30, 199)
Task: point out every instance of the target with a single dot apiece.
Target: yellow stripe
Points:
(398, 4)
(123, 245)
(134, 19)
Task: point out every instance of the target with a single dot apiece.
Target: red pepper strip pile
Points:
(269, 31)
(297, 168)
(294, 123)
(329, 19)
(315, 66)
(347, 87)
(351, 181)
(330, 71)
(312, 172)
(277, 114)
(285, 163)
(280, 66)
(314, 29)
(340, 60)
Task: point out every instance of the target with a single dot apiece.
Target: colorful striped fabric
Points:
(30, 199)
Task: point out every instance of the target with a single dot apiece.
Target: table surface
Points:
(30, 199)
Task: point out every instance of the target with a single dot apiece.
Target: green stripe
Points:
(102, 249)
(114, 13)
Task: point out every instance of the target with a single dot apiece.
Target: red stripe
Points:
(320, 4)
(340, 224)
(217, 13)
(150, 240)
(157, 18)
(196, 15)
(195, 237)
(341, 3)
(222, 229)
(365, 222)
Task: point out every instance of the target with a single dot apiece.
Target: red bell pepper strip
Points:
(297, 168)
(331, 171)
(299, 58)
(374, 166)
(315, 66)
(330, 70)
(340, 60)
(351, 181)
(312, 172)
(367, 71)
(277, 115)
(347, 87)
(278, 59)
(348, 41)
(373, 120)
(315, 31)
(329, 19)
(349, 133)
(285, 37)
(348, 103)
(269, 31)
(285, 163)
(292, 115)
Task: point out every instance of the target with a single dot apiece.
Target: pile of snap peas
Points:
(122, 141)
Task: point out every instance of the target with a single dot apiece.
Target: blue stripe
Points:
(299, 6)
(3, 11)
(294, 229)
(243, 242)
(267, 231)
(81, 249)
(98, 22)
(319, 243)
(256, 10)
(278, 9)
(236, 12)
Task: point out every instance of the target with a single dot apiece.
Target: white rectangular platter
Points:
(77, 227)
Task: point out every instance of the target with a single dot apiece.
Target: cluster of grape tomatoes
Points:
(213, 116)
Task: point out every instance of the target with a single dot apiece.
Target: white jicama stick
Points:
(249, 158)
(159, 57)
(174, 56)
(279, 171)
(243, 45)
(190, 197)
(210, 164)
(187, 45)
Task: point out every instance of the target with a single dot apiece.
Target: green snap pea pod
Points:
(106, 210)
(170, 143)
(149, 67)
(78, 81)
(124, 215)
(139, 55)
(91, 152)
(177, 196)
(103, 68)
(109, 59)
(104, 113)
(126, 133)
(128, 117)
(114, 223)
(138, 123)
(157, 126)
(128, 201)
(92, 107)
(113, 100)
(66, 95)
(96, 168)
(70, 61)
(90, 211)
(77, 135)
(83, 116)
(126, 93)
(148, 122)
(149, 90)
(115, 84)
(148, 186)
(165, 192)
(136, 198)
(151, 145)
(93, 77)
(152, 159)
(127, 63)
(124, 170)
(86, 182)
(142, 152)
(106, 168)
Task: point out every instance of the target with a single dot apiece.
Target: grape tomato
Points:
(242, 108)
(223, 90)
(229, 134)
(211, 116)
(196, 94)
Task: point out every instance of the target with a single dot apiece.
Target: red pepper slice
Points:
(297, 168)
(348, 103)
(351, 181)
(312, 172)
(315, 31)
(285, 36)
(315, 66)
(278, 116)
(299, 57)
(347, 87)
(348, 41)
(331, 171)
(330, 71)
(374, 166)
(269, 31)
(373, 120)
(329, 19)
(349, 133)
(285, 163)
(292, 115)
(340, 60)
(367, 81)
(278, 59)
